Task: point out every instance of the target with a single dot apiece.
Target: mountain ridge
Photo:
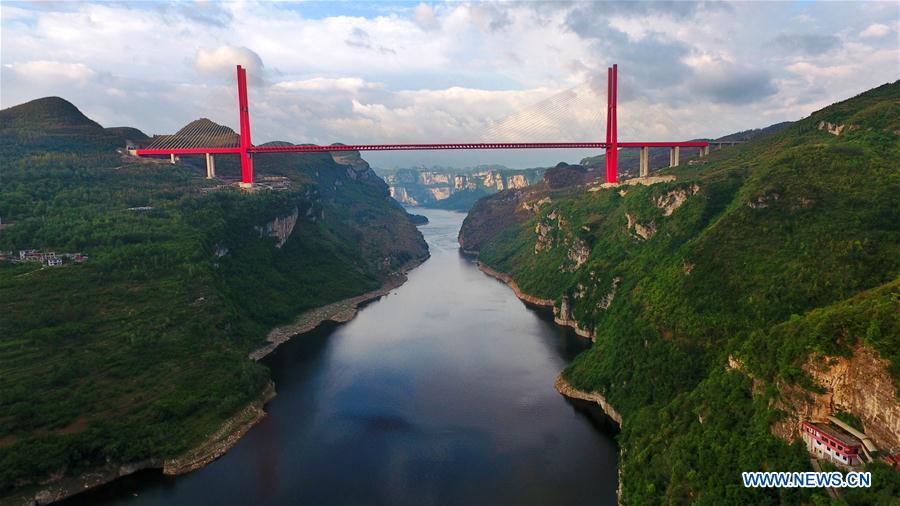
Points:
(690, 287)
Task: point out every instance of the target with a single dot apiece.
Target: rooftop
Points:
(836, 433)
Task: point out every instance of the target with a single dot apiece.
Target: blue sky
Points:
(372, 72)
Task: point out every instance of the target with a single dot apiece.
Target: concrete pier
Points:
(172, 158)
(674, 155)
(645, 162)
(210, 166)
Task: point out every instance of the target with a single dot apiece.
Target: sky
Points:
(386, 72)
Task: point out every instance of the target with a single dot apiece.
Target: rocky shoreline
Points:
(341, 311)
(232, 429)
(225, 437)
(506, 278)
(536, 301)
(222, 439)
(567, 390)
(562, 386)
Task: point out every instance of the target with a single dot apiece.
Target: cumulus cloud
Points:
(221, 61)
(45, 70)
(425, 17)
(447, 71)
(875, 30)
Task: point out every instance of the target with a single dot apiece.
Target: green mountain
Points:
(51, 124)
(140, 352)
(755, 290)
(127, 134)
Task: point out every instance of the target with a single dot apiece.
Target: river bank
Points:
(558, 316)
(341, 311)
(567, 390)
(219, 442)
(562, 386)
(437, 394)
(232, 429)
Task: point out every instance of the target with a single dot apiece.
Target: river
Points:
(439, 393)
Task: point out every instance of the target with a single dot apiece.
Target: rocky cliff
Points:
(453, 188)
(860, 385)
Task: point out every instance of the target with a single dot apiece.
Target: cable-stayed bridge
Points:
(203, 137)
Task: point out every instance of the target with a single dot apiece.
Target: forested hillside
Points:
(140, 351)
(719, 301)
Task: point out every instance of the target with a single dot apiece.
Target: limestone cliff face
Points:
(641, 231)
(517, 181)
(675, 199)
(562, 315)
(566, 389)
(280, 227)
(860, 385)
(400, 194)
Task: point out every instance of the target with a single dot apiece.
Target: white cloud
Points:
(425, 16)
(445, 71)
(221, 61)
(52, 71)
(875, 30)
(350, 84)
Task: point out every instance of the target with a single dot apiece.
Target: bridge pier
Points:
(674, 154)
(172, 158)
(210, 166)
(645, 162)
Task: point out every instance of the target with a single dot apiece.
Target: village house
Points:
(831, 443)
(50, 258)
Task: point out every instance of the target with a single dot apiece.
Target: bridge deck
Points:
(418, 147)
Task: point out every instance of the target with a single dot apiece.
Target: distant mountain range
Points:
(452, 188)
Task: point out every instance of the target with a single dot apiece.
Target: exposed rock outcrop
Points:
(835, 128)
(531, 299)
(535, 206)
(763, 201)
(222, 439)
(339, 312)
(562, 315)
(607, 299)
(578, 254)
(566, 389)
(641, 231)
(280, 227)
(860, 385)
(225, 437)
(674, 199)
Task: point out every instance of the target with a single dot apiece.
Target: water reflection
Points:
(439, 393)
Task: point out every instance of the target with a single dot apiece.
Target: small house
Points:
(825, 441)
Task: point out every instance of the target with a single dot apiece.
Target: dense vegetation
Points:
(786, 247)
(142, 350)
